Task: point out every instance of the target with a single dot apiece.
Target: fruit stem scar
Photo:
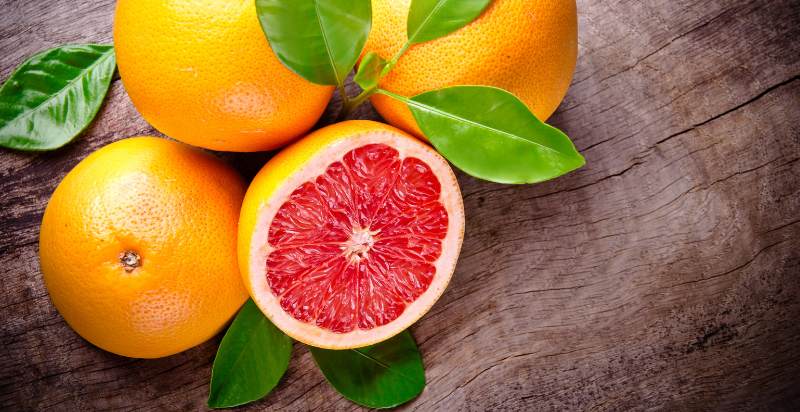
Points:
(130, 260)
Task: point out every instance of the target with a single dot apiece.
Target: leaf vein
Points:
(59, 93)
(414, 103)
(439, 5)
(325, 40)
(383, 365)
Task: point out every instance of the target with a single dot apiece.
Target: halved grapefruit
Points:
(350, 235)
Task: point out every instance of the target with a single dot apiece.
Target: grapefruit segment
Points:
(350, 235)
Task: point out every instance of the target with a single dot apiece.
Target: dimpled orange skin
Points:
(177, 209)
(202, 72)
(528, 47)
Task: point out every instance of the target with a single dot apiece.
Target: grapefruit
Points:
(350, 235)
(528, 47)
(138, 247)
(202, 72)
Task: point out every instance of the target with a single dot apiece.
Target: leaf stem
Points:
(343, 94)
(394, 60)
(348, 105)
(400, 52)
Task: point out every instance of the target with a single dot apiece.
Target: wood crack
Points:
(731, 110)
(611, 176)
(572, 288)
(306, 391)
(667, 44)
(742, 266)
(783, 226)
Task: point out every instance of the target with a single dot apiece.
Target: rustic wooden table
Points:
(665, 274)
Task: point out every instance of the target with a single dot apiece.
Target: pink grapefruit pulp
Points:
(350, 235)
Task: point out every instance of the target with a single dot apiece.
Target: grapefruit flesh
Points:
(355, 246)
(362, 242)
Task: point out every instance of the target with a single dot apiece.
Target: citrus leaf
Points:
(490, 134)
(369, 71)
(379, 376)
(431, 19)
(251, 359)
(319, 40)
(54, 95)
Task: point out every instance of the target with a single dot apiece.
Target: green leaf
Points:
(378, 376)
(431, 19)
(369, 71)
(318, 39)
(251, 359)
(490, 134)
(54, 95)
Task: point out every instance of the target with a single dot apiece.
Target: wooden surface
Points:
(665, 274)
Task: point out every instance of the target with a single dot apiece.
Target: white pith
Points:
(360, 243)
(314, 335)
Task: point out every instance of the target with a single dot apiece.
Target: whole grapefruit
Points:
(528, 47)
(138, 247)
(202, 72)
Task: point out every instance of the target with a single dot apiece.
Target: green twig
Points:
(348, 105)
(400, 53)
(394, 60)
(343, 94)
(351, 104)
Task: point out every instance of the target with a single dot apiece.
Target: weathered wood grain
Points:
(663, 275)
